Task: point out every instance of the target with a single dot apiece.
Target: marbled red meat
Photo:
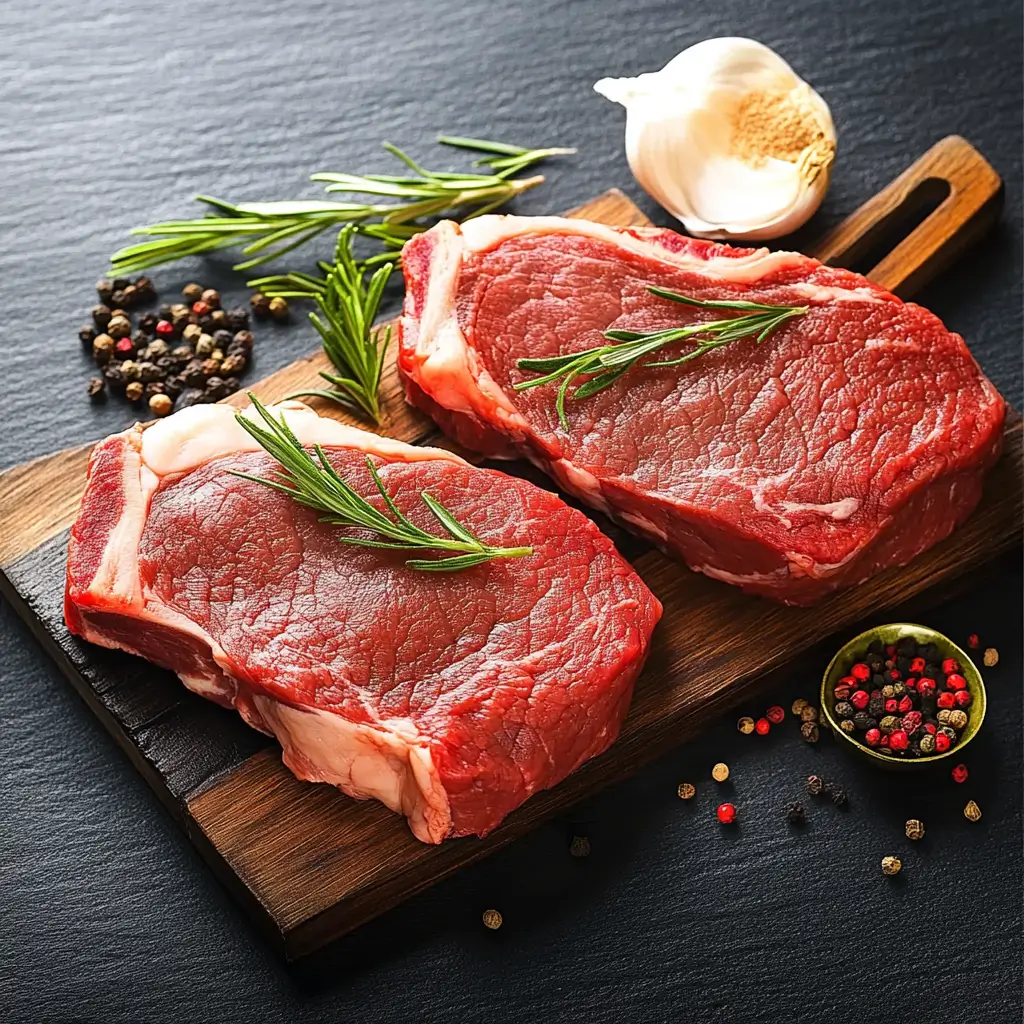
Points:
(451, 697)
(856, 436)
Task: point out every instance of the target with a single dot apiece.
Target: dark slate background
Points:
(115, 113)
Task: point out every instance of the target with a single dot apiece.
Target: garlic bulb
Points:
(728, 139)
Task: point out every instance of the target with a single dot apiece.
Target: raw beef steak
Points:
(856, 436)
(450, 697)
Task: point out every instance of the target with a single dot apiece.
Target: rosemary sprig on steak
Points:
(314, 482)
(268, 230)
(606, 363)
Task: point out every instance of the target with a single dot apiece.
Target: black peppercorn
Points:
(156, 349)
(231, 384)
(193, 292)
(243, 338)
(795, 813)
(218, 319)
(211, 297)
(838, 796)
(148, 322)
(864, 721)
(165, 312)
(210, 367)
(145, 288)
(190, 396)
(844, 709)
(119, 282)
(166, 365)
(814, 785)
(215, 388)
(222, 338)
(101, 317)
(238, 319)
(876, 706)
(97, 389)
(104, 289)
(87, 335)
(148, 372)
(810, 732)
(119, 327)
(205, 322)
(115, 377)
(181, 354)
(102, 348)
(260, 305)
(193, 374)
(155, 387)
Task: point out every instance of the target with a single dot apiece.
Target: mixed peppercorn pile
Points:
(180, 355)
(904, 699)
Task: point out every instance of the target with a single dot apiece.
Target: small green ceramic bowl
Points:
(856, 650)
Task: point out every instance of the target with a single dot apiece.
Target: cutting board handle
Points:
(922, 221)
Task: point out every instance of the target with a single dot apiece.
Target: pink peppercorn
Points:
(165, 328)
(898, 740)
(963, 698)
(960, 773)
(762, 727)
(726, 813)
(859, 699)
(946, 700)
(955, 681)
(872, 737)
(942, 742)
(860, 671)
(950, 665)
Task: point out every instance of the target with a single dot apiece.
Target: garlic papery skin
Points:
(728, 138)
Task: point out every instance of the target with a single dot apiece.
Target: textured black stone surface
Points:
(113, 113)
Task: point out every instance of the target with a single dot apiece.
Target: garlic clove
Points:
(728, 138)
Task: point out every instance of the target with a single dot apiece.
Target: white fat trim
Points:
(394, 767)
(578, 481)
(448, 370)
(484, 233)
(827, 293)
(643, 524)
(193, 436)
(836, 509)
(776, 576)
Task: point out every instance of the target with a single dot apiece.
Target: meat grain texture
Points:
(450, 697)
(852, 439)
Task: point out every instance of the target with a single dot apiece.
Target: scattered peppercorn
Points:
(809, 714)
(278, 309)
(726, 813)
(762, 727)
(492, 919)
(891, 866)
(814, 785)
(87, 335)
(973, 641)
(798, 705)
(686, 791)
(97, 389)
(102, 348)
(775, 714)
(915, 829)
(260, 305)
(237, 319)
(134, 391)
(960, 773)
(104, 289)
(991, 657)
(720, 772)
(809, 731)
(847, 725)
(233, 364)
(795, 813)
(745, 725)
(579, 847)
(972, 812)
(101, 316)
(844, 709)
(119, 327)
(927, 744)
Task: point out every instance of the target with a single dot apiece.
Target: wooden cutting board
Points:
(309, 863)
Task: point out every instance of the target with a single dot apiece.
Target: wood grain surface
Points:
(309, 863)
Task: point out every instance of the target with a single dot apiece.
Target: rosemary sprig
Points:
(347, 306)
(604, 364)
(314, 482)
(268, 230)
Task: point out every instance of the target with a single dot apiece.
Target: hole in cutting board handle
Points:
(877, 242)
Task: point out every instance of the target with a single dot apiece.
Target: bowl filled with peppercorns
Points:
(903, 695)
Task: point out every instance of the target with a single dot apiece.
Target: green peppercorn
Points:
(278, 309)
(888, 692)
(97, 389)
(890, 723)
(191, 333)
(134, 391)
(130, 369)
(927, 744)
(847, 725)
(155, 350)
(958, 719)
(899, 690)
(217, 355)
(204, 346)
(891, 866)
(945, 730)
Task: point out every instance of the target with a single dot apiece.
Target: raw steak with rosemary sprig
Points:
(450, 696)
(854, 435)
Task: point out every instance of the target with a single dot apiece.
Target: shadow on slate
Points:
(187, 738)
